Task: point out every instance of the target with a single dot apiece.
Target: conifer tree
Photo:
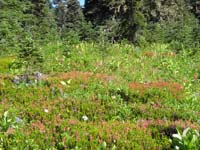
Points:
(132, 20)
(69, 16)
(126, 14)
(195, 4)
(11, 14)
(60, 13)
(41, 22)
(96, 11)
(29, 56)
(74, 15)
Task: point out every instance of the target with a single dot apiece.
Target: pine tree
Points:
(99, 11)
(171, 10)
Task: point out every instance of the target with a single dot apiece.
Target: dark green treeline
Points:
(137, 21)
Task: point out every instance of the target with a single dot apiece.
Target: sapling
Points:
(29, 56)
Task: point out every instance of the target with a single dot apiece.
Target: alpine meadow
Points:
(100, 75)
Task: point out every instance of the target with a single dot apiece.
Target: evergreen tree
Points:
(96, 11)
(87, 31)
(99, 11)
(133, 19)
(29, 56)
(127, 14)
(69, 16)
(195, 5)
(41, 22)
(173, 21)
(74, 15)
(11, 14)
(60, 12)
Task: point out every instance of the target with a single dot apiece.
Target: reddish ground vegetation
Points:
(38, 125)
(171, 86)
(10, 131)
(164, 123)
(149, 54)
(84, 76)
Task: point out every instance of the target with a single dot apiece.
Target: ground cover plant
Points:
(137, 99)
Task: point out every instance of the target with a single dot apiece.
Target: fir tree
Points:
(195, 4)
(41, 22)
(133, 19)
(74, 15)
(29, 56)
(11, 14)
(69, 16)
(60, 13)
(96, 11)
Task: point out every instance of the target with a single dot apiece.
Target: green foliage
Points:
(165, 24)
(81, 104)
(29, 56)
(74, 15)
(133, 20)
(70, 18)
(10, 25)
(93, 11)
(40, 20)
(188, 140)
(5, 63)
(93, 91)
(72, 37)
(87, 32)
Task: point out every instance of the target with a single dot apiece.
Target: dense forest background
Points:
(136, 21)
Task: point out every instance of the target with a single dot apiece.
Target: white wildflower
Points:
(85, 118)
(176, 147)
(46, 110)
